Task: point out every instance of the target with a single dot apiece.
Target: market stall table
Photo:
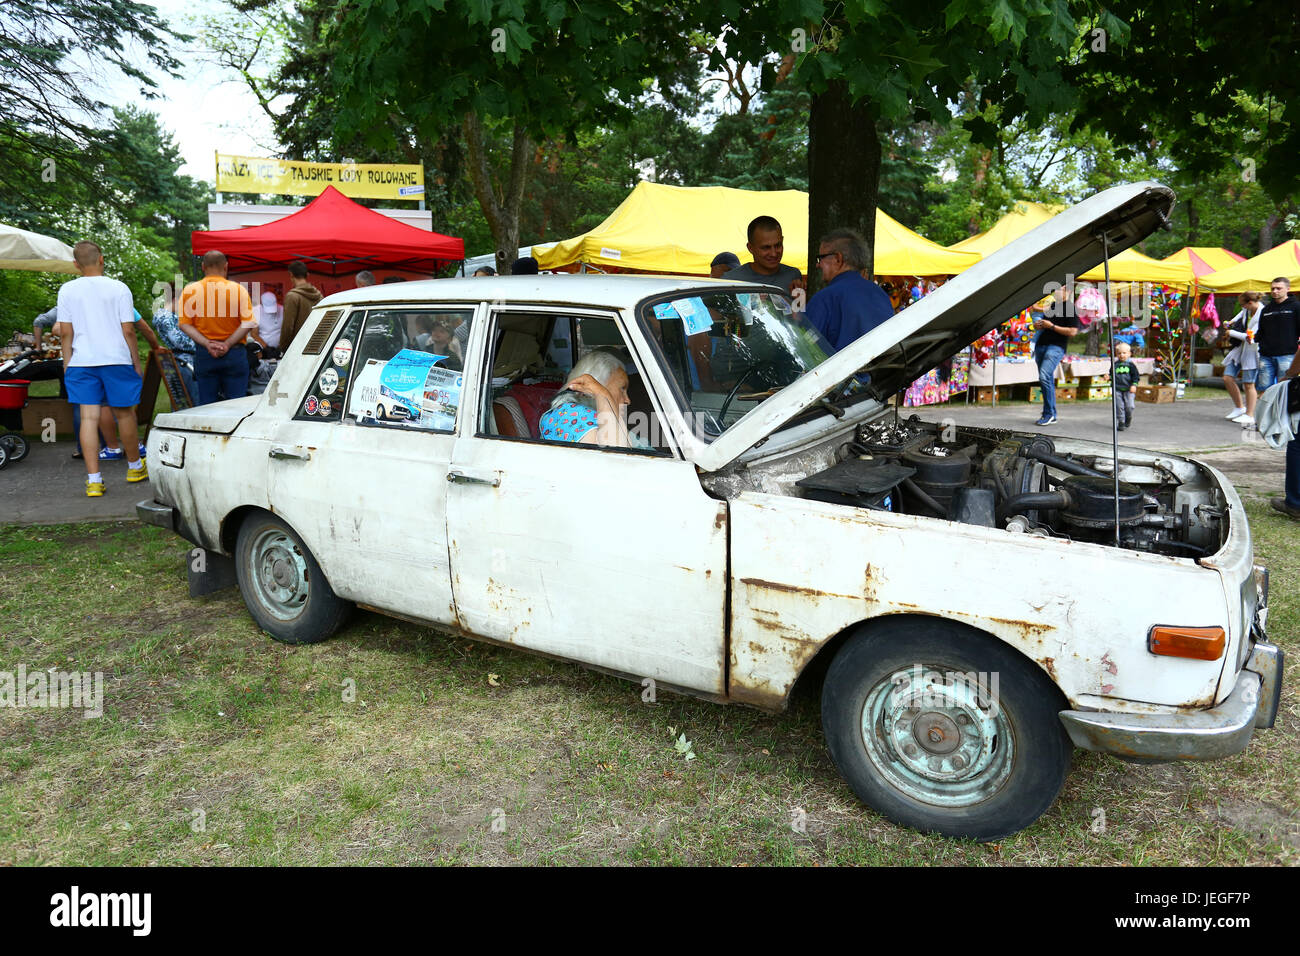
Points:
(1022, 371)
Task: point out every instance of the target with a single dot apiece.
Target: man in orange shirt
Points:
(217, 314)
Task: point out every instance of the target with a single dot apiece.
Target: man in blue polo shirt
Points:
(848, 306)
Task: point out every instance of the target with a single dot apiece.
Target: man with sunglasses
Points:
(848, 305)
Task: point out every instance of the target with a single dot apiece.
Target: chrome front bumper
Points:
(1199, 735)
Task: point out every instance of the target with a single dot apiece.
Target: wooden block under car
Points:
(1155, 394)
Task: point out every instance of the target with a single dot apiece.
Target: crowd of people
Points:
(224, 344)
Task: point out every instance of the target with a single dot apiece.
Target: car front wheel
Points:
(282, 584)
(944, 729)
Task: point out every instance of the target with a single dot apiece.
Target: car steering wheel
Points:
(722, 413)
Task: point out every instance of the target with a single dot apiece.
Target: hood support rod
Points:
(1114, 392)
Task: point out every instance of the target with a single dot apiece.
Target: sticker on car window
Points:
(329, 381)
(665, 311)
(694, 314)
(342, 352)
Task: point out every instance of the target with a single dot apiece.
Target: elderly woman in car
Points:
(591, 408)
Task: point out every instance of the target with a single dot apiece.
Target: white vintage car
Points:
(976, 602)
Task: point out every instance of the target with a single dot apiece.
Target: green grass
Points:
(221, 746)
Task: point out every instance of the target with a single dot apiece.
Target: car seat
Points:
(509, 418)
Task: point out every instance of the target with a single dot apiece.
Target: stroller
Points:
(13, 399)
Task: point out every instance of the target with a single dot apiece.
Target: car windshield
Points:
(727, 351)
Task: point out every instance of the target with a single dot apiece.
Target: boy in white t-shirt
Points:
(101, 365)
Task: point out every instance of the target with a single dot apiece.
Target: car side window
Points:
(408, 368)
(532, 357)
(324, 398)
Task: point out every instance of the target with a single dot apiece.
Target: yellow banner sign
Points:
(246, 174)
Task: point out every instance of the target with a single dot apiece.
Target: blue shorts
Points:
(116, 386)
(1247, 375)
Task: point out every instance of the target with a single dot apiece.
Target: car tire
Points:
(379, 413)
(283, 586)
(945, 729)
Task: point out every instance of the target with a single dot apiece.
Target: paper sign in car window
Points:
(665, 311)
(441, 399)
(402, 383)
(694, 314)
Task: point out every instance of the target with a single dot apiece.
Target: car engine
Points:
(1020, 483)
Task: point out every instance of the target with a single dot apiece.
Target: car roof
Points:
(616, 291)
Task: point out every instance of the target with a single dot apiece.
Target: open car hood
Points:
(944, 323)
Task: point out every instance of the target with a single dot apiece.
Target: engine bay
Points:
(1017, 482)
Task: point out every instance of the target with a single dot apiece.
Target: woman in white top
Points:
(1243, 360)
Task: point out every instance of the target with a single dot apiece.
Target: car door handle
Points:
(295, 455)
(461, 478)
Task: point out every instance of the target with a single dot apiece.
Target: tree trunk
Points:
(1193, 223)
(843, 172)
(500, 208)
(1266, 233)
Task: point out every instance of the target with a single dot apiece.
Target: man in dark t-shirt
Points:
(1055, 329)
(767, 244)
(1279, 334)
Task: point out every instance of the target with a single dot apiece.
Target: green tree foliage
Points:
(143, 172)
(518, 71)
(56, 55)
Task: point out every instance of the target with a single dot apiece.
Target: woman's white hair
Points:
(600, 364)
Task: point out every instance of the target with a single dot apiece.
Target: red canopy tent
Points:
(334, 236)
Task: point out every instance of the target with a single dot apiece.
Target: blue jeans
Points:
(221, 377)
(1048, 358)
(1272, 369)
(1293, 473)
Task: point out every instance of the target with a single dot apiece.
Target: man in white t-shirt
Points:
(101, 365)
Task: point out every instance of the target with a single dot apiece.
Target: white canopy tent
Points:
(20, 249)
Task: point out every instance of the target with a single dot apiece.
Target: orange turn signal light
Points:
(1198, 643)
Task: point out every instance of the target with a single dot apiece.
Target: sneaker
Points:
(1235, 413)
(1246, 421)
(1120, 427)
(1046, 420)
(143, 451)
(94, 489)
(1279, 504)
(77, 454)
(138, 474)
(107, 455)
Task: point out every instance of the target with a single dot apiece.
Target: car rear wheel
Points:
(282, 584)
(944, 729)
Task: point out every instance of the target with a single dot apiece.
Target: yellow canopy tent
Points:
(1022, 218)
(20, 249)
(1255, 275)
(1203, 260)
(679, 229)
(1131, 266)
